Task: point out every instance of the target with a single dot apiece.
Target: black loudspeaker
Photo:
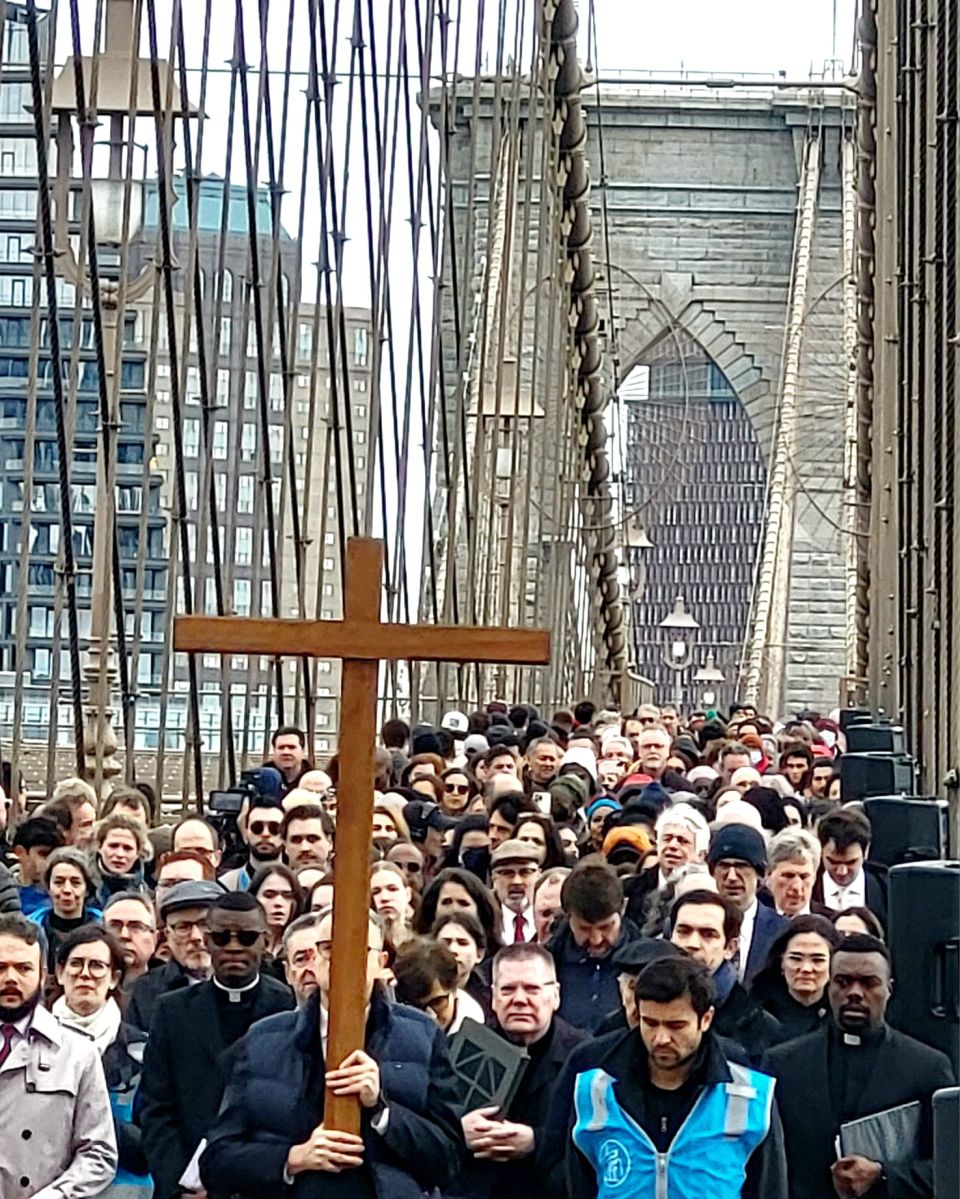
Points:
(925, 943)
(908, 828)
(946, 1151)
(875, 774)
(849, 715)
(876, 738)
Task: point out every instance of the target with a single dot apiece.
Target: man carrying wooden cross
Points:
(361, 641)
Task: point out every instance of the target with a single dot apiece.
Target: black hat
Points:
(425, 741)
(424, 814)
(632, 956)
(741, 843)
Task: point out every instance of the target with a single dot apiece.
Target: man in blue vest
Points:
(666, 1112)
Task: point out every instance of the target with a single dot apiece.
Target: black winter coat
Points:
(588, 985)
(274, 1100)
(531, 1105)
(185, 1068)
(149, 988)
(905, 1070)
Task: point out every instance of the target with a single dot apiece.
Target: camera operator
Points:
(261, 832)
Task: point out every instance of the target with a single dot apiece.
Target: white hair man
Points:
(683, 836)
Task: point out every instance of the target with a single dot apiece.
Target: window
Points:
(276, 443)
(191, 487)
(250, 389)
(276, 392)
(227, 286)
(241, 597)
(359, 385)
(245, 493)
(191, 438)
(305, 342)
(266, 599)
(248, 442)
(193, 385)
(225, 327)
(162, 422)
(210, 597)
(14, 97)
(243, 549)
(239, 662)
(360, 347)
(220, 439)
(223, 387)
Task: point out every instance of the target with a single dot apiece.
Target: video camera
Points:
(224, 807)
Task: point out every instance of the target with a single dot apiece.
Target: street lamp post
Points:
(680, 628)
(115, 219)
(712, 677)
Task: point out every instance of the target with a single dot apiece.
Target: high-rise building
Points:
(299, 427)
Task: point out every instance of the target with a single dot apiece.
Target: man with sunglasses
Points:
(186, 1057)
(261, 832)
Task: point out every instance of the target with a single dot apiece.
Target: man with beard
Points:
(663, 1109)
(185, 1064)
(264, 843)
(853, 1067)
(58, 1136)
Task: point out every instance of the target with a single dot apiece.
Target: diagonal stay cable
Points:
(50, 278)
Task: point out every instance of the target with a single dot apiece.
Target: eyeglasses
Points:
(409, 867)
(457, 788)
(94, 967)
(183, 928)
(135, 927)
(247, 937)
(259, 827)
(509, 872)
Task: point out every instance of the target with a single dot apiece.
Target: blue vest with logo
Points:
(707, 1158)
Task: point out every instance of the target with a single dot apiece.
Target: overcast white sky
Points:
(722, 37)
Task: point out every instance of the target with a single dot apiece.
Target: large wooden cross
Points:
(362, 641)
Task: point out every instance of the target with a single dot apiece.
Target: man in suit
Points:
(187, 1057)
(737, 858)
(270, 1135)
(706, 925)
(848, 879)
(856, 1066)
(525, 999)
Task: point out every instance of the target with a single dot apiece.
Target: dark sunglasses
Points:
(247, 937)
(409, 867)
(259, 827)
(458, 788)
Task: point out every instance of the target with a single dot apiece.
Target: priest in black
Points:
(187, 1056)
(854, 1067)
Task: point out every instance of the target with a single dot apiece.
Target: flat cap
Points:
(194, 893)
(513, 850)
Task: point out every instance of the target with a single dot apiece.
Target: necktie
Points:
(518, 936)
(7, 1030)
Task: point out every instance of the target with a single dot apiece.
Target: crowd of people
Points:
(634, 955)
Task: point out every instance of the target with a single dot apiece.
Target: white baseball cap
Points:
(455, 722)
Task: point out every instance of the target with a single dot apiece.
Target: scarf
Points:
(101, 1027)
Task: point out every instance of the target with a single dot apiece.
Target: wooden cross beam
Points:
(362, 641)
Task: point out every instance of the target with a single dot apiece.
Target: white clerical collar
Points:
(235, 994)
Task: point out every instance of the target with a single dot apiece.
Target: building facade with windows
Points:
(294, 424)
